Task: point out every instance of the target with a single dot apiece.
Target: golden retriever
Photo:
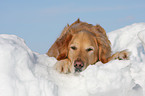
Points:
(80, 45)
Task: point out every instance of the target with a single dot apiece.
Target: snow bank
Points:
(17, 63)
(26, 73)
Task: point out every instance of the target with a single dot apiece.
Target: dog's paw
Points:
(123, 55)
(63, 66)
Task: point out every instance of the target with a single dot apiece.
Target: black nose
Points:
(78, 64)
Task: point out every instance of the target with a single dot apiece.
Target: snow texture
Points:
(27, 73)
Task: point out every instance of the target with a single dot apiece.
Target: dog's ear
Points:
(100, 29)
(103, 44)
(104, 50)
(62, 45)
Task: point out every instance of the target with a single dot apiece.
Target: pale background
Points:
(39, 22)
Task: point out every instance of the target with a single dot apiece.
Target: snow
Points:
(27, 73)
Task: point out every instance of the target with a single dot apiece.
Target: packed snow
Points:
(27, 73)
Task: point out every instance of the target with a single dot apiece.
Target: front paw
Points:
(123, 55)
(63, 66)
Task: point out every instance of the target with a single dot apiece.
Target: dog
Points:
(80, 45)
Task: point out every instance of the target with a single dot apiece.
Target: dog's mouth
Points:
(78, 65)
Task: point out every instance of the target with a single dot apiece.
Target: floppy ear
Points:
(103, 44)
(62, 45)
(100, 29)
(104, 50)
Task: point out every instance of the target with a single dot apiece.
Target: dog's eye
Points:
(73, 47)
(89, 49)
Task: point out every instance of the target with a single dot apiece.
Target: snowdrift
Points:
(27, 73)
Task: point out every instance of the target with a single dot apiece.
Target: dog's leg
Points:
(63, 66)
(122, 55)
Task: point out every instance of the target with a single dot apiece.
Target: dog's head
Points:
(83, 45)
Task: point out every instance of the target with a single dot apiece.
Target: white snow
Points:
(27, 73)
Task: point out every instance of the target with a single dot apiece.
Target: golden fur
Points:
(84, 42)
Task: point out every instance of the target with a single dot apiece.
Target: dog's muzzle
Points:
(78, 65)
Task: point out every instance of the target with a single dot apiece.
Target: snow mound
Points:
(27, 73)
